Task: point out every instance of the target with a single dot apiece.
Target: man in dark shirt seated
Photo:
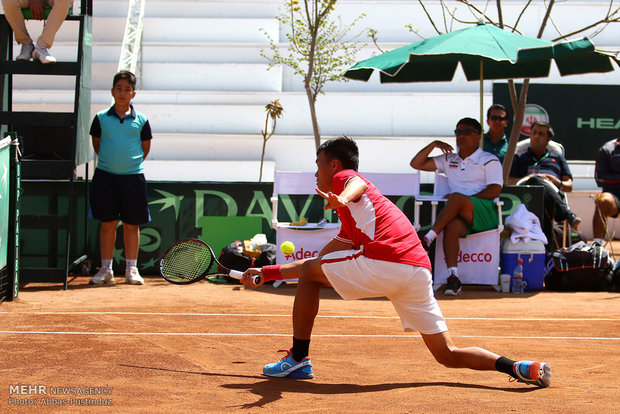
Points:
(538, 166)
(607, 176)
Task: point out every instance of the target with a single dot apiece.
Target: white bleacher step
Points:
(289, 152)
(364, 115)
(244, 112)
(211, 77)
(203, 52)
(213, 30)
(143, 97)
(213, 8)
(188, 29)
(186, 52)
(214, 171)
(111, 8)
(221, 77)
(202, 146)
(240, 77)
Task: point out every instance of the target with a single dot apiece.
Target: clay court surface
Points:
(161, 348)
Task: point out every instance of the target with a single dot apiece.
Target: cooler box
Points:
(533, 255)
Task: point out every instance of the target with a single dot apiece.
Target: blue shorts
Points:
(119, 197)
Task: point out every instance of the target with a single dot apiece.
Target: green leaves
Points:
(317, 44)
(274, 109)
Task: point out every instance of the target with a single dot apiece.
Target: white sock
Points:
(106, 264)
(130, 263)
(430, 236)
(453, 271)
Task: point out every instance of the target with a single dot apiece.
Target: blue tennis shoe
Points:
(533, 373)
(289, 368)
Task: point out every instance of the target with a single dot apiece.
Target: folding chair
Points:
(310, 238)
(553, 146)
(556, 147)
(478, 260)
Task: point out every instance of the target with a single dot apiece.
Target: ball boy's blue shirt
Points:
(120, 146)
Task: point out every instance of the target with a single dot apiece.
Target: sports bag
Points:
(613, 280)
(233, 257)
(579, 267)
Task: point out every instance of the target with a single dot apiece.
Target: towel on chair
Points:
(525, 226)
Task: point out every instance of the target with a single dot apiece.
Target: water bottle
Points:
(517, 278)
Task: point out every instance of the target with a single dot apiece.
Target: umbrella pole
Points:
(481, 101)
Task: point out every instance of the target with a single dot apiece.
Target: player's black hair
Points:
(498, 107)
(343, 149)
(126, 75)
(550, 133)
(472, 123)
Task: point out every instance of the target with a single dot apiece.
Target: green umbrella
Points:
(485, 52)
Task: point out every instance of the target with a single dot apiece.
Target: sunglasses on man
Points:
(466, 131)
(498, 118)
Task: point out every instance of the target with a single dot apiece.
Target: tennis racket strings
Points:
(186, 261)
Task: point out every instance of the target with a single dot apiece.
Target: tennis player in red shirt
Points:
(377, 253)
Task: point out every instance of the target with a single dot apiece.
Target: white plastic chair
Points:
(552, 146)
(309, 239)
(479, 253)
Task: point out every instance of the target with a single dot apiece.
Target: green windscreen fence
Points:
(219, 213)
(5, 168)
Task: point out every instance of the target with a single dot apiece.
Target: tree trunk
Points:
(262, 159)
(519, 106)
(515, 132)
(315, 122)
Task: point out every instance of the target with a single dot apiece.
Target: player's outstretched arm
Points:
(267, 273)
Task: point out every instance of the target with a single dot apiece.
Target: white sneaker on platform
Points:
(26, 52)
(132, 276)
(102, 276)
(43, 55)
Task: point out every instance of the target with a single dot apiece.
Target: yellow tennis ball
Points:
(287, 247)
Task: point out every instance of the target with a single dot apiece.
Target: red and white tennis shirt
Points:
(376, 224)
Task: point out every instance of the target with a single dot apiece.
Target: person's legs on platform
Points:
(605, 205)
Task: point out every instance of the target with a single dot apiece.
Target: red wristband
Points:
(272, 273)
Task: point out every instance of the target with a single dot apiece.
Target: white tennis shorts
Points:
(409, 288)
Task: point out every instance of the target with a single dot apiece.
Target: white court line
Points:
(288, 316)
(587, 338)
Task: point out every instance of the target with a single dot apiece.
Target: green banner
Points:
(218, 213)
(5, 167)
(583, 117)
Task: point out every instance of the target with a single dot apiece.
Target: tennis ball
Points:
(287, 247)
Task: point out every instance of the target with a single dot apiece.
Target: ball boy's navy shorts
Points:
(119, 197)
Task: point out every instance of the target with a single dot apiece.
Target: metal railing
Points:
(131, 47)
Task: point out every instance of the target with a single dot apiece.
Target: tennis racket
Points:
(190, 260)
